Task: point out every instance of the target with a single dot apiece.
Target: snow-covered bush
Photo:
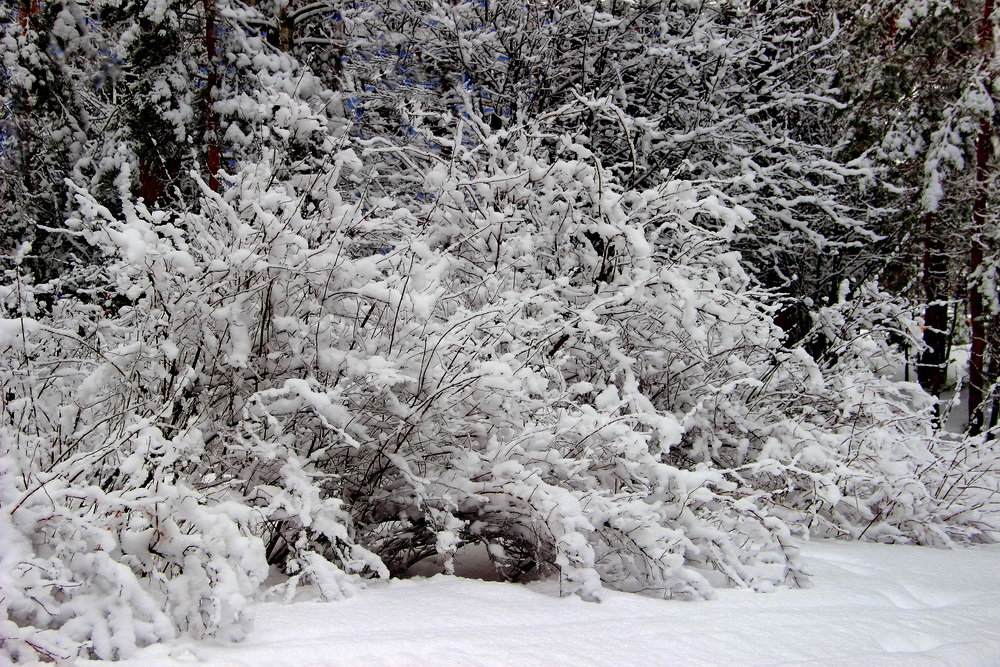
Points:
(133, 460)
(529, 356)
(860, 448)
(344, 353)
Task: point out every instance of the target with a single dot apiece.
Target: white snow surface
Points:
(870, 604)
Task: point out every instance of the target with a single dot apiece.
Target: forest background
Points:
(627, 293)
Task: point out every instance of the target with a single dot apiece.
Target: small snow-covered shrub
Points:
(102, 572)
(860, 454)
(144, 491)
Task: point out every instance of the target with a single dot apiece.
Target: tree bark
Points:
(28, 9)
(977, 314)
(978, 317)
(932, 363)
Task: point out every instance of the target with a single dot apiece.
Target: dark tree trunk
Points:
(978, 317)
(931, 365)
(977, 314)
(282, 36)
(286, 31)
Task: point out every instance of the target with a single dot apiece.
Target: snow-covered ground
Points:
(870, 604)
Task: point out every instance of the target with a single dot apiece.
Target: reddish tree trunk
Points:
(892, 28)
(29, 8)
(151, 182)
(155, 175)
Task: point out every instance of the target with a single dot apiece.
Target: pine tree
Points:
(933, 95)
(45, 132)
